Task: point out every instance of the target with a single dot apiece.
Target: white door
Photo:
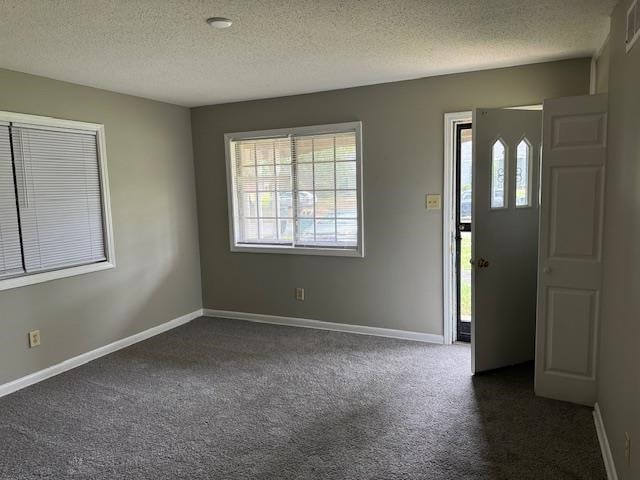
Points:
(570, 280)
(505, 236)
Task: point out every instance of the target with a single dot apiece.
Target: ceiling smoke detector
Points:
(219, 22)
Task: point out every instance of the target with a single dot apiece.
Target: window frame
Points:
(110, 262)
(284, 132)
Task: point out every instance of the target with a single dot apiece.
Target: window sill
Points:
(317, 251)
(53, 275)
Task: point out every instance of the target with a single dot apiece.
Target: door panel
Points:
(575, 200)
(505, 234)
(571, 318)
(570, 258)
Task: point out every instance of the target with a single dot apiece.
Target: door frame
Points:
(448, 223)
(460, 336)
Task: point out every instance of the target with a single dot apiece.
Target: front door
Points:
(505, 236)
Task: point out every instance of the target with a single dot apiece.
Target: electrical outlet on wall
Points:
(300, 294)
(34, 338)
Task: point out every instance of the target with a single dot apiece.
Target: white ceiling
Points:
(163, 49)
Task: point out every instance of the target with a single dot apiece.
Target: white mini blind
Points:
(296, 190)
(10, 250)
(263, 179)
(59, 197)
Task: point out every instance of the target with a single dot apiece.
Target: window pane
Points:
(304, 230)
(268, 230)
(10, 248)
(465, 187)
(465, 276)
(61, 212)
(346, 175)
(266, 177)
(247, 176)
(326, 231)
(325, 204)
(266, 204)
(264, 152)
(523, 174)
(283, 177)
(323, 148)
(246, 152)
(347, 205)
(498, 169)
(250, 205)
(345, 147)
(304, 179)
(347, 231)
(306, 202)
(324, 176)
(285, 204)
(304, 149)
(285, 229)
(283, 150)
(250, 230)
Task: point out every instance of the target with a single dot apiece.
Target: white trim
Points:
(535, 107)
(607, 456)
(283, 133)
(38, 120)
(630, 42)
(320, 325)
(331, 252)
(593, 73)
(30, 279)
(74, 362)
(448, 225)
(98, 129)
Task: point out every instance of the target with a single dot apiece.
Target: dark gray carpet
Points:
(224, 399)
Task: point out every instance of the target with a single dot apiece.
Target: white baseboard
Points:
(320, 325)
(74, 362)
(609, 464)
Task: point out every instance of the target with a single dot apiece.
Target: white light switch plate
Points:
(432, 201)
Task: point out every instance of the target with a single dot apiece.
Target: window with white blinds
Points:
(296, 190)
(10, 249)
(53, 204)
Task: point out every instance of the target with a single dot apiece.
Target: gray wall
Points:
(157, 277)
(618, 378)
(399, 283)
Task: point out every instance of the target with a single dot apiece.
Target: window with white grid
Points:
(296, 190)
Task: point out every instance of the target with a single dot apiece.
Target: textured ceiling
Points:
(163, 49)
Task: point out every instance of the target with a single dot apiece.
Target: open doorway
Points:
(457, 212)
(463, 197)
